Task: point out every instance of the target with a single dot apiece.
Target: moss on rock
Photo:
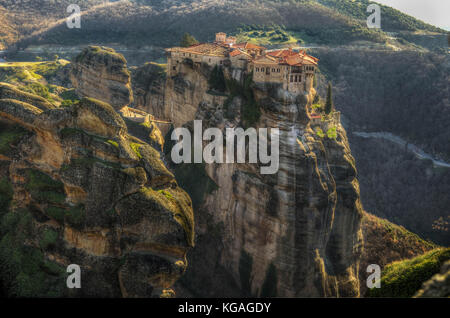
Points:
(404, 278)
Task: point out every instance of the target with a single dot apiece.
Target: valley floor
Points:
(401, 142)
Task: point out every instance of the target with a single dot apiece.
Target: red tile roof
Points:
(290, 57)
(265, 59)
(249, 46)
(282, 56)
(235, 52)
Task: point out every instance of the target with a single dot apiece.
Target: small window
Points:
(295, 79)
(174, 68)
(220, 62)
(292, 78)
(278, 70)
(262, 69)
(273, 70)
(257, 69)
(184, 54)
(209, 60)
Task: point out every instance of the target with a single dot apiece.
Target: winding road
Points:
(401, 142)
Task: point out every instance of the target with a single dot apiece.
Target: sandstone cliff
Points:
(294, 233)
(77, 188)
(101, 73)
(148, 83)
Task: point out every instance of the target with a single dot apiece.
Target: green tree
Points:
(332, 133)
(316, 98)
(187, 40)
(329, 106)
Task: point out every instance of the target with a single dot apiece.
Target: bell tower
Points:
(221, 37)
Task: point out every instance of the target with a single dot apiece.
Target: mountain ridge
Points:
(162, 21)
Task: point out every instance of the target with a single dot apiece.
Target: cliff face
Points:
(148, 83)
(77, 188)
(290, 234)
(101, 73)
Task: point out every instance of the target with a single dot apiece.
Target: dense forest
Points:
(406, 93)
(157, 22)
(402, 188)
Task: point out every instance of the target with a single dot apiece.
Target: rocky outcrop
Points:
(101, 73)
(295, 233)
(438, 285)
(148, 82)
(176, 99)
(8, 91)
(77, 188)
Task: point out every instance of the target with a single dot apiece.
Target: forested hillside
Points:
(19, 19)
(392, 19)
(159, 22)
(406, 93)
